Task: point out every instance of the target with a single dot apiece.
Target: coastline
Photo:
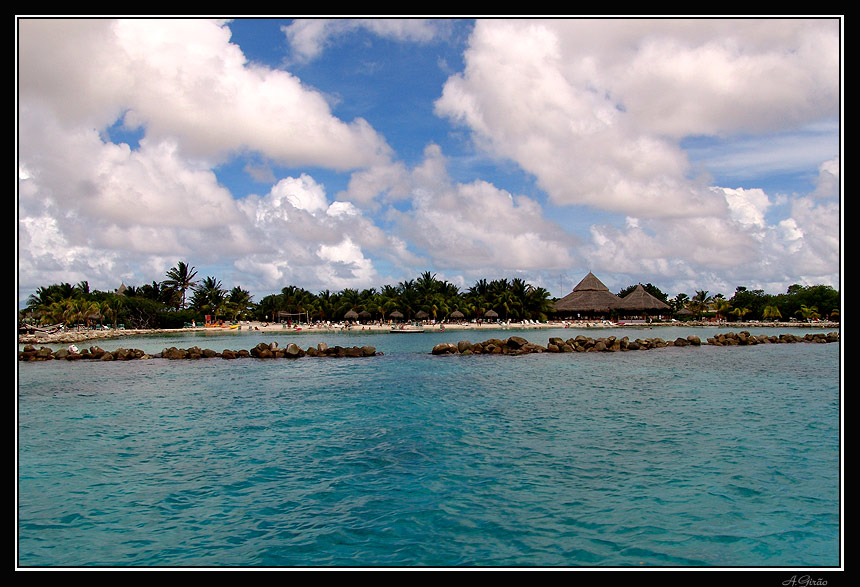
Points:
(73, 336)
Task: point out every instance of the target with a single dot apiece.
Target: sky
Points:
(692, 154)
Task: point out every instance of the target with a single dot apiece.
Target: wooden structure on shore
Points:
(641, 303)
(589, 299)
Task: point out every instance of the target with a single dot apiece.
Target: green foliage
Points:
(160, 305)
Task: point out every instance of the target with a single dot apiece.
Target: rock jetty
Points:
(516, 345)
(261, 351)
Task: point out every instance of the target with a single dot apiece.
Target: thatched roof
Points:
(590, 295)
(457, 314)
(491, 314)
(351, 315)
(396, 314)
(640, 300)
(421, 315)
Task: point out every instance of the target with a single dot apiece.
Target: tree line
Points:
(799, 302)
(182, 297)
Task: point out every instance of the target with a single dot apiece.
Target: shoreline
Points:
(73, 336)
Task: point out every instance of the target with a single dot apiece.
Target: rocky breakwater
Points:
(516, 345)
(261, 351)
(745, 338)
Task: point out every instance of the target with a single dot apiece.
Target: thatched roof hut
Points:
(491, 314)
(364, 315)
(457, 315)
(640, 300)
(590, 296)
(396, 315)
(351, 315)
(422, 315)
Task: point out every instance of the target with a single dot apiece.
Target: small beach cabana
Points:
(640, 303)
(589, 298)
(352, 316)
(457, 315)
(422, 315)
(491, 315)
(364, 316)
(396, 315)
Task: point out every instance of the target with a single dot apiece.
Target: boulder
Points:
(444, 348)
(516, 342)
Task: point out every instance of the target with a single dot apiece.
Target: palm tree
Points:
(722, 306)
(181, 279)
(537, 303)
(679, 302)
(741, 312)
(808, 312)
(238, 302)
(699, 302)
(209, 297)
(771, 313)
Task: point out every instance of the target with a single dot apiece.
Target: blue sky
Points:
(688, 153)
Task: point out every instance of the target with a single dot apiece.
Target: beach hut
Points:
(422, 315)
(457, 315)
(491, 315)
(639, 302)
(364, 316)
(352, 316)
(589, 298)
(396, 315)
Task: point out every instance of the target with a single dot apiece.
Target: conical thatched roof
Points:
(590, 295)
(396, 314)
(491, 314)
(457, 314)
(640, 300)
(421, 315)
(351, 315)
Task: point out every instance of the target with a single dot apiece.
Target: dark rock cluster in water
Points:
(261, 351)
(516, 345)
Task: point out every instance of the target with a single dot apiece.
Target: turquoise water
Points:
(708, 456)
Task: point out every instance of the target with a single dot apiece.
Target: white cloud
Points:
(183, 80)
(95, 209)
(308, 37)
(477, 225)
(596, 109)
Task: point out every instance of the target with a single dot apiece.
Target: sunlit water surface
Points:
(708, 456)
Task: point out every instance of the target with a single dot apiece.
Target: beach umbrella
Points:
(422, 315)
(457, 315)
(396, 315)
(492, 314)
(364, 315)
(351, 315)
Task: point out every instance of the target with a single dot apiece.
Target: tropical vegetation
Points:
(182, 297)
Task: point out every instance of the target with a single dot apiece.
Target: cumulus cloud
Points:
(596, 109)
(91, 208)
(477, 226)
(308, 37)
(184, 80)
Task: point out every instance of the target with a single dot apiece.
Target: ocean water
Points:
(674, 457)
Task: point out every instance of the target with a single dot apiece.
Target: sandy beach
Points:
(73, 336)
